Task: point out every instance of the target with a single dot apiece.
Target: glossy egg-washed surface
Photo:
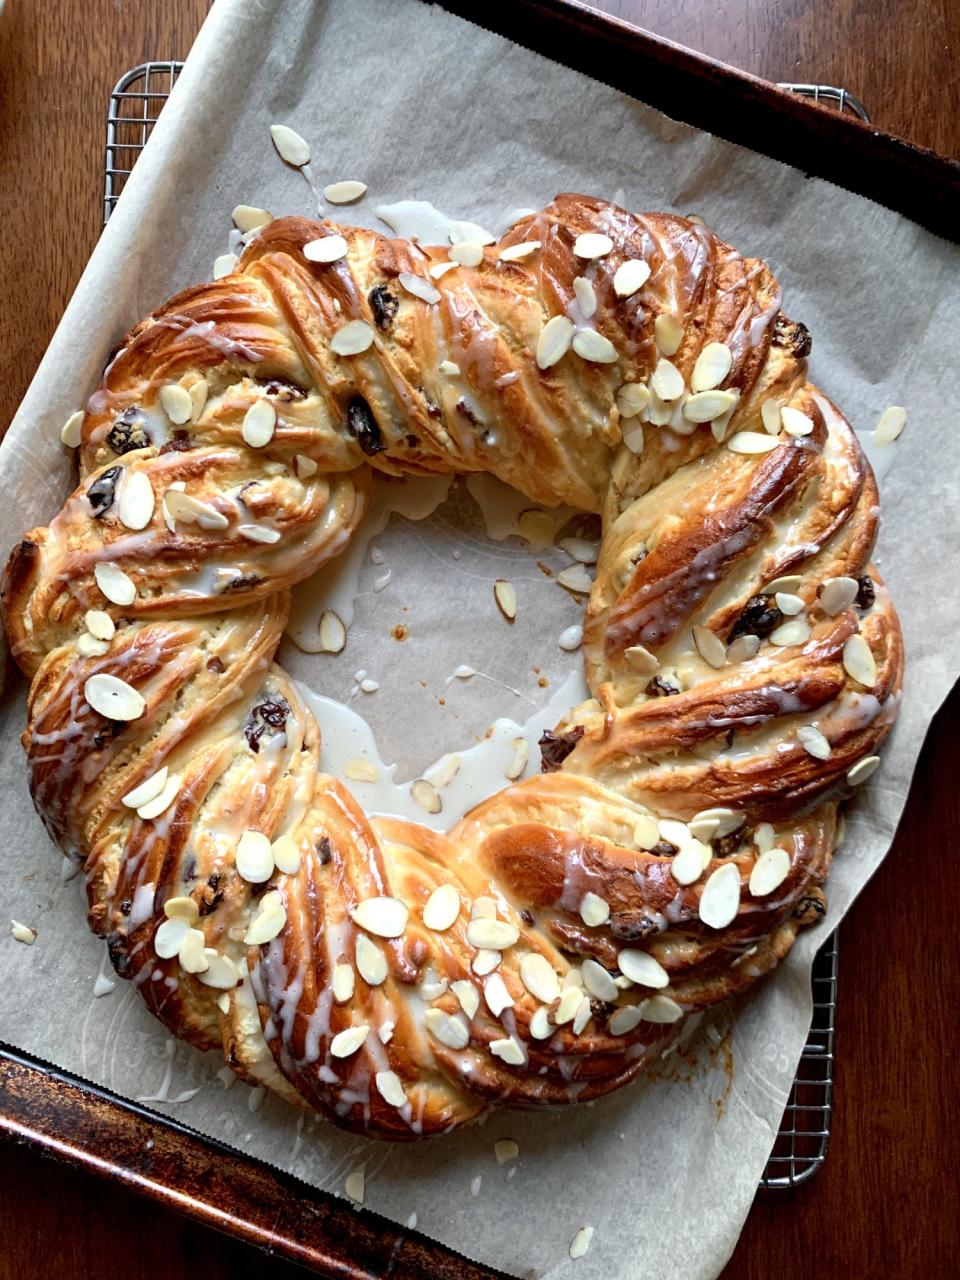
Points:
(693, 531)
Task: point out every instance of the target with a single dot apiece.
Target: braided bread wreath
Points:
(744, 659)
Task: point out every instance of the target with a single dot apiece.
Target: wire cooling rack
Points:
(801, 1145)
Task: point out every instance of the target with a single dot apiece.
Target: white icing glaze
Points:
(346, 735)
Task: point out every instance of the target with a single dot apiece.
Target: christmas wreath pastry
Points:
(743, 656)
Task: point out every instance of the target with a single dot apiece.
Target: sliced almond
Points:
(667, 380)
(586, 296)
(304, 466)
(267, 921)
(594, 910)
(580, 549)
(710, 647)
(862, 770)
(668, 334)
(247, 217)
(686, 867)
(789, 604)
(442, 908)
(642, 968)
(290, 145)
(592, 245)
(193, 954)
(813, 741)
(170, 936)
(325, 249)
(485, 961)
(794, 422)
(438, 269)
(769, 872)
(181, 906)
(505, 595)
(727, 821)
(593, 346)
(426, 795)
(182, 508)
(713, 364)
(575, 578)
(113, 698)
(344, 192)
(743, 648)
(641, 660)
(764, 836)
(259, 424)
(354, 338)
(147, 790)
(390, 1088)
(224, 265)
(176, 403)
(491, 935)
(597, 981)
(347, 1042)
(450, 368)
(720, 899)
(837, 594)
(371, 962)
(467, 995)
(448, 1029)
(630, 276)
(538, 976)
(114, 584)
(521, 752)
(360, 770)
(554, 341)
(509, 1050)
(385, 917)
(536, 527)
(787, 582)
(199, 391)
(258, 533)
(89, 646)
(632, 399)
(752, 442)
(662, 1009)
(624, 1020)
(646, 831)
(286, 855)
(633, 436)
(343, 983)
(469, 253)
(333, 634)
(891, 424)
(353, 1185)
(70, 432)
(254, 857)
(159, 804)
(418, 287)
(796, 631)
(514, 252)
(541, 1028)
(859, 662)
(496, 995)
(705, 406)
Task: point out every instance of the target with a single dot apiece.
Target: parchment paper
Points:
(422, 105)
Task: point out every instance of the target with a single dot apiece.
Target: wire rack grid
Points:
(801, 1145)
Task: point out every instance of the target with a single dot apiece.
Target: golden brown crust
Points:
(607, 867)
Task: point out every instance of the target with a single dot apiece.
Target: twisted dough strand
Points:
(635, 882)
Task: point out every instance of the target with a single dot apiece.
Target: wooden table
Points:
(886, 1202)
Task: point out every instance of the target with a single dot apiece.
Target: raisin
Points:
(179, 442)
(324, 850)
(212, 894)
(723, 846)
(188, 871)
(243, 583)
(664, 849)
(214, 664)
(433, 410)
(526, 916)
(866, 593)
(600, 1009)
(759, 617)
(102, 492)
(283, 391)
(660, 688)
(129, 431)
(362, 425)
(384, 305)
(810, 909)
(628, 928)
(639, 556)
(272, 715)
(117, 950)
(792, 336)
(464, 408)
(126, 906)
(555, 747)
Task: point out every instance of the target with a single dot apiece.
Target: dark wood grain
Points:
(886, 1202)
